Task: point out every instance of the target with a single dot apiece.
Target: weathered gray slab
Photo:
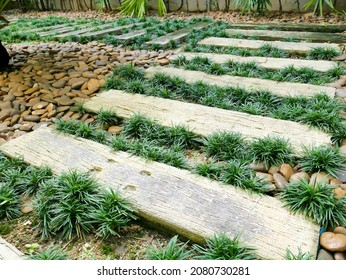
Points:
(61, 30)
(178, 35)
(46, 28)
(292, 47)
(187, 204)
(265, 62)
(205, 120)
(128, 37)
(279, 88)
(273, 35)
(114, 30)
(86, 30)
(8, 251)
(332, 28)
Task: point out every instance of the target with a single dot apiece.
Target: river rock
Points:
(324, 255)
(340, 256)
(339, 193)
(319, 177)
(258, 166)
(333, 242)
(340, 230)
(280, 181)
(40, 105)
(31, 118)
(264, 177)
(59, 84)
(286, 170)
(299, 176)
(274, 169)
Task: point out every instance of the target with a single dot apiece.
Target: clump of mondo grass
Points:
(222, 247)
(106, 118)
(9, 202)
(174, 250)
(140, 127)
(225, 145)
(316, 201)
(300, 255)
(322, 53)
(74, 205)
(50, 253)
(323, 158)
(238, 173)
(271, 150)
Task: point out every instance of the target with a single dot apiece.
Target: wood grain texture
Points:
(178, 35)
(190, 205)
(283, 89)
(8, 251)
(332, 28)
(205, 120)
(292, 47)
(265, 62)
(282, 35)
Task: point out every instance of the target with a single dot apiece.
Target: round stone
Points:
(333, 242)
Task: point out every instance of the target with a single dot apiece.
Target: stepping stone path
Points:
(190, 205)
(178, 35)
(278, 88)
(265, 62)
(205, 120)
(272, 35)
(292, 47)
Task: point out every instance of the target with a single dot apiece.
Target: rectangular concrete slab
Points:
(110, 31)
(175, 199)
(178, 35)
(322, 27)
(85, 30)
(128, 37)
(265, 62)
(273, 35)
(283, 89)
(47, 28)
(205, 120)
(291, 47)
(60, 30)
(9, 252)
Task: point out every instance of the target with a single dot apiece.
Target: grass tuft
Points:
(9, 202)
(225, 145)
(51, 253)
(322, 158)
(174, 250)
(221, 247)
(299, 256)
(317, 202)
(272, 151)
(113, 214)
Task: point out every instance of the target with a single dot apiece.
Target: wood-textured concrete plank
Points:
(265, 62)
(291, 47)
(279, 88)
(190, 205)
(205, 120)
